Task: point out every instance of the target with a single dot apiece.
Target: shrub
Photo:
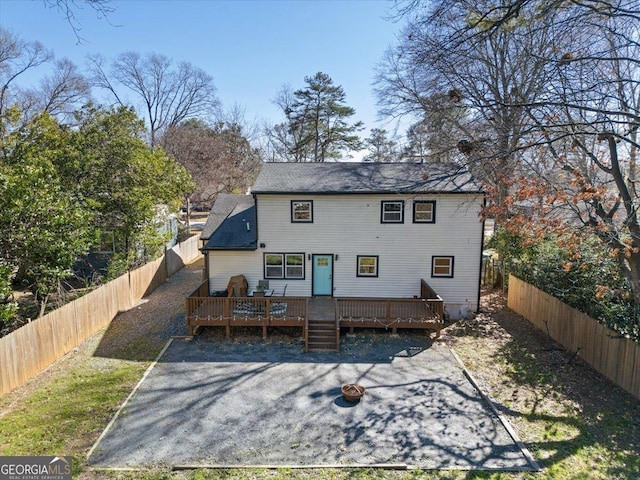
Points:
(7, 307)
(582, 275)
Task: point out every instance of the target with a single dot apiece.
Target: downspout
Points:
(255, 202)
(484, 205)
(206, 269)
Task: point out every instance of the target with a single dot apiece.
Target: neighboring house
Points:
(352, 230)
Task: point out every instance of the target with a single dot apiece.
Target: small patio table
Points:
(267, 293)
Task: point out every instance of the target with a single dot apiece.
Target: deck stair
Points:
(322, 336)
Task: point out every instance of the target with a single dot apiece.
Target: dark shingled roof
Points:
(232, 224)
(326, 178)
(224, 205)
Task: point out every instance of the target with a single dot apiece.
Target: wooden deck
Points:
(390, 313)
(311, 314)
(230, 312)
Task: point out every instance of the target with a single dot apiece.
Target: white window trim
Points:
(435, 258)
(293, 211)
(284, 266)
(383, 213)
(424, 202)
(300, 265)
(376, 266)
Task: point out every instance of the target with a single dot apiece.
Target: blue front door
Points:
(322, 274)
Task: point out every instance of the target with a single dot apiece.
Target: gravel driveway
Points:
(247, 402)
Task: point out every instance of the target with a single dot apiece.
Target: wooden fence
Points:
(33, 347)
(615, 357)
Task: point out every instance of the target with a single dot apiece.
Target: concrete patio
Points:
(214, 402)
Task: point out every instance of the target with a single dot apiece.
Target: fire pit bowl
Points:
(352, 392)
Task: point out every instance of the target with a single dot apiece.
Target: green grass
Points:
(577, 425)
(65, 414)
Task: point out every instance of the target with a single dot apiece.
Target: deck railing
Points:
(425, 312)
(389, 308)
(244, 311)
(202, 290)
(390, 313)
(435, 300)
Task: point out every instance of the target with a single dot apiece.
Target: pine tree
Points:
(317, 127)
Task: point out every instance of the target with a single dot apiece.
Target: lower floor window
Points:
(442, 266)
(294, 265)
(284, 265)
(367, 266)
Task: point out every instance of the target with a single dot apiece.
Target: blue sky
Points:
(251, 48)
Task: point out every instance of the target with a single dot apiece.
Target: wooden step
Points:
(322, 336)
(330, 328)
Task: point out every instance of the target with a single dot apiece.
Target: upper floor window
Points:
(302, 211)
(393, 211)
(424, 211)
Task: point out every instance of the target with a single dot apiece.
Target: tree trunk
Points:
(188, 215)
(634, 279)
(43, 305)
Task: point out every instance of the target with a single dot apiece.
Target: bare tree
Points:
(283, 137)
(68, 9)
(219, 158)
(584, 141)
(60, 94)
(589, 121)
(166, 94)
(473, 87)
(578, 135)
(441, 131)
(16, 57)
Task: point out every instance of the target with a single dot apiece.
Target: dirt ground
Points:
(557, 403)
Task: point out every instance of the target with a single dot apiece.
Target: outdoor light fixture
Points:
(308, 256)
(263, 245)
(336, 257)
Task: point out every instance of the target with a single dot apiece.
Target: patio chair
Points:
(279, 307)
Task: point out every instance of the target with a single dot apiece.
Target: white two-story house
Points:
(352, 230)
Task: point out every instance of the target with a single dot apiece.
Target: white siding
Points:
(226, 263)
(350, 225)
